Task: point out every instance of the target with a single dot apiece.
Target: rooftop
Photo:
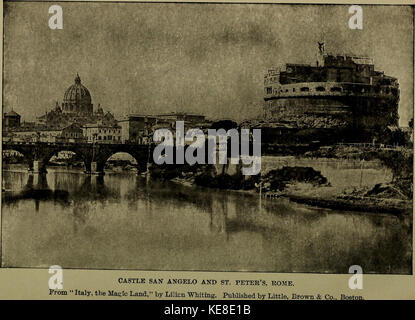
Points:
(11, 113)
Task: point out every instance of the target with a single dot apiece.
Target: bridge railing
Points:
(20, 142)
(371, 145)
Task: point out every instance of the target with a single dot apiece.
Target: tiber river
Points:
(124, 221)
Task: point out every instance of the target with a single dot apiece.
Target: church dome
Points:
(77, 92)
(77, 98)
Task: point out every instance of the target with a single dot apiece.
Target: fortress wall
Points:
(309, 112)
(333, 111)
(301, 105)
(342, 173)
(339, 172)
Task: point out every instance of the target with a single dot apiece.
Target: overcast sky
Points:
(204, 58)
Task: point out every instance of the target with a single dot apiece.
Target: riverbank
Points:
(350, 186)
(303, 185)
(382, 198)
(332, 198)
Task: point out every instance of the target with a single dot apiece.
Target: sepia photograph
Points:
(221, 137)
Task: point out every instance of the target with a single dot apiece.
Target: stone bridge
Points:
(37, 154)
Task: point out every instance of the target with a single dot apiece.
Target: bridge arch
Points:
(139, 155)
(26, 156)
(49, 154)
(122, 156)
(94, 156)
(15, 148)
(10, 152)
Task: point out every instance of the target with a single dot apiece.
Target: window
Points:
(320, 89)
(335, 89)
(305, 89)
(269, 90)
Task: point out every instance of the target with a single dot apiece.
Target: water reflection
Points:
(126, 221)
(36, 188)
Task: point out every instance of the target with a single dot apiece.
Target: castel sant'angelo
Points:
(341, 92)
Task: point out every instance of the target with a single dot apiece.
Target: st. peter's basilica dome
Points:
(77, 99)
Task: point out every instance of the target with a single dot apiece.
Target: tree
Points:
(224, 124)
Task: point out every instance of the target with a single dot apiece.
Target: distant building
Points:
(74, 120)
(136, 128)
(22, 136)
(181, 116)
(50, 135)
(76, 107)
(191, 121)
(28, 125)
(72, 133)
(340, 98)
(409, 132)
(140, 128)
(11, 120)
(340, 91)
(102, 133)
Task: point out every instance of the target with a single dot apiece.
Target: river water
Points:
(124, 221)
